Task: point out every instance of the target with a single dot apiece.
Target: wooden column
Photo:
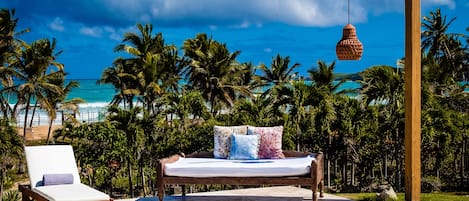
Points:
(412, 100)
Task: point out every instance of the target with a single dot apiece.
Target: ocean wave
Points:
(93, 105)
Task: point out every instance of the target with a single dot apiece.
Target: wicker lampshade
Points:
(349, 47)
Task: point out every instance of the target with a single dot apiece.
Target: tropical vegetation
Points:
(167, 102)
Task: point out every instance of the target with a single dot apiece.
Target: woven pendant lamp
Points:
(349, 47)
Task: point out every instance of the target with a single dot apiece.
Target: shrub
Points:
(431, 184)
(11, 196)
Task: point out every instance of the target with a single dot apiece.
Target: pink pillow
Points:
(271, 141)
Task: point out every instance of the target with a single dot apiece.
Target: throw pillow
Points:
(222, 139)
(57, 179)
(271, 141)
(244, 147)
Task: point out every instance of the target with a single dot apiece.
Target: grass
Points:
(400, 196)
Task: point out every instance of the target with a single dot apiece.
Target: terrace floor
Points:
(277, 193)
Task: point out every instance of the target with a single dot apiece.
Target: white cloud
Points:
(231, 13)
(106, 31)
(91, 31)
(112, 33)
(242, 25)
(57, 25)
(450, 3)
(239, 13)
(386, 6)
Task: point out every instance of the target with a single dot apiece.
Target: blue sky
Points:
(306, 30)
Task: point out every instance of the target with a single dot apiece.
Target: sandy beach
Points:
(37, 132)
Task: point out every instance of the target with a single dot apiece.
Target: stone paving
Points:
(277, 193)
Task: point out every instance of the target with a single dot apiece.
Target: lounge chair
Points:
(53, 176)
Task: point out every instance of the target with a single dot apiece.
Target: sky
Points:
(305, 30)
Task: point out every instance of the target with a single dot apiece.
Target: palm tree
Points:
(153, 69)
(323, 77)
(8, 43)
(211, 70)
(139, 70)
(258, 110)
(383, 87)
(118, 75)
(162, 74)
(298, 98)
(279, 73)
(324, 93)
(9, 49)
(58, 101)
(184, 105)
(128, 122)
(434, 36)
(34, 66)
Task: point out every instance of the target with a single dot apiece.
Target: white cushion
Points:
(50, 159)
(211, 167)
(71, 192)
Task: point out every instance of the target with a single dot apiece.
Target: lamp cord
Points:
(348, 12)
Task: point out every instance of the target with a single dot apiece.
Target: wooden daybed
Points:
(314, 178)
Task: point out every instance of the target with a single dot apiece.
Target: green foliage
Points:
(431, 184)
(11, 147)
(11, 196)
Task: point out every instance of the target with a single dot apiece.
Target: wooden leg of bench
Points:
(183, 190)
(314, 188)
(161, 191)
(321, 188)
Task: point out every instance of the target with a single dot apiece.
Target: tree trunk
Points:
(344, 173)
(353, 174)
(26, 117)
(298, 137)
(386, 166)
(463, 157)
(32, 115)
(142, 175)
(2, 176)
(129, 169)
(328, 171)
(336, 169)
(49, 131)
(437, 162)
(381, 170)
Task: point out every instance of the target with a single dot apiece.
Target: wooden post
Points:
(412, 100)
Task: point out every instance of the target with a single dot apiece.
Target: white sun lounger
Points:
(50, 160)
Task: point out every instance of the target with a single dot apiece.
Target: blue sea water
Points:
(99, 95)
(95, 95)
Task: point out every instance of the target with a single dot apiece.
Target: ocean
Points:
(96, 96)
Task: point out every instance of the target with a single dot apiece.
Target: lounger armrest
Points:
(28, 194)
(160, 172)
(292, 154)
(317, 167)
(206, 154)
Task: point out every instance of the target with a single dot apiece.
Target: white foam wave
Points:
(93, 105)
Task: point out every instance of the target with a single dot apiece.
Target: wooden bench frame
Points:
(315, 178)
(28, 194)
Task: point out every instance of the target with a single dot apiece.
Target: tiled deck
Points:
(278, 193)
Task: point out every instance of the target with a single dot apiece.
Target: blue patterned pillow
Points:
(244, 147)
